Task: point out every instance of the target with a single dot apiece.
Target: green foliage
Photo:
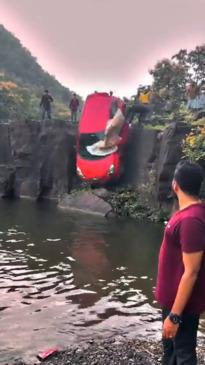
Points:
(139, 203)
(185, 114)
(194, 145)
(16, 101)
(157, 127)
(199, 122)
(196, 61)
(171, 76)
(135, 203)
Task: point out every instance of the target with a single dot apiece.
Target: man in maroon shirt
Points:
(181, 273)
(74, 105)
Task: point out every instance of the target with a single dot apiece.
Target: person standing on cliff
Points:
(74, 105)
(192, 94)
(137, 108)
(181, 272)
(45, 104)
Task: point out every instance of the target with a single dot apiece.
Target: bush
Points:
(139, 203)
(194, 145)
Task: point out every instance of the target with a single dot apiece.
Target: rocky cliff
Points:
(38, 159)
(155, 153)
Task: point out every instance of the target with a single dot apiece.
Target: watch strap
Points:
(175, 318)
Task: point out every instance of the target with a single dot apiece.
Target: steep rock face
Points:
(24, 142)
(141, 155)
(57, 159)
(169, 155)
(5, 148)
(6, 166)
(36, 159)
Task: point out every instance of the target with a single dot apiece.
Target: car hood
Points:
(98, 169)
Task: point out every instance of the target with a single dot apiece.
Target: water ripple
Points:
(62, 280)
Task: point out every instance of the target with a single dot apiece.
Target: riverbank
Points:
(113, 352)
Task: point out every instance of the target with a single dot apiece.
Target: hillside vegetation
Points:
(22, 81)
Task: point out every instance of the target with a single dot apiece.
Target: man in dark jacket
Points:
(74, 105)
(181, 272)
(45, 103)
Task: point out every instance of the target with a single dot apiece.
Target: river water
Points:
(66, 278)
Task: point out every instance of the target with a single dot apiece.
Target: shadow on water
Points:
(68, 277)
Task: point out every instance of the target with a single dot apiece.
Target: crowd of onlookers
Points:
(195, 96)
(149, 101)
(144, 104)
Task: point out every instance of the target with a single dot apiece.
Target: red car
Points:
(91, 167)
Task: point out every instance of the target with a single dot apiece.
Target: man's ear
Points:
(174, 186)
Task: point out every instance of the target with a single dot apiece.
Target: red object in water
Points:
(43, 356)
(96, 113)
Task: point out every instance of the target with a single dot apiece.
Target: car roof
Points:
(96, 113)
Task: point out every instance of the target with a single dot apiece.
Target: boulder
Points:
(169, 155)
(101, 193)
(85, 202)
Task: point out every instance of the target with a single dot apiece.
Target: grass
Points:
(157, 127)
(199, 122)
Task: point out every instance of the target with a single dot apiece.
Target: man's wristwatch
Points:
(174, 318)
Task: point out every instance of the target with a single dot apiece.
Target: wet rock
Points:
(141, 154)
(7, 180)
(101, 193)
(5, 147)
(36, 159)
(169, 155)
(85, 202)
(25, 157)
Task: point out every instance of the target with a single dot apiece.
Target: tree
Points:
(171, 76)
(196, 62)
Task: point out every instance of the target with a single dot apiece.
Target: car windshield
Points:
(89, 139)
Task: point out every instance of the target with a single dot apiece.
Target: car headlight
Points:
(111, 170)
(79, 172)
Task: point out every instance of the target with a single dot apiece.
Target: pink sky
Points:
(104, 44)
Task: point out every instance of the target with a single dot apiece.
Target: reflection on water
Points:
(66, 278)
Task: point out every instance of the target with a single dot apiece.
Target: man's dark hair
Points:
(46, 91)
(189, 177)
